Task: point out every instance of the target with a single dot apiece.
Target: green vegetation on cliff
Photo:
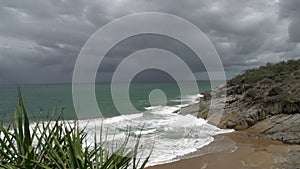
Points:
(265, 100)
(270, 83)
(270, 73)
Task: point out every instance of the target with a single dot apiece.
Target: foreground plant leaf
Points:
(59, 144)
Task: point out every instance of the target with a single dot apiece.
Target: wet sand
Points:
(237, 150)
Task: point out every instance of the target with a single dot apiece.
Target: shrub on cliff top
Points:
(254, 94)
(253, 77)
(278, 72)
(275, 91)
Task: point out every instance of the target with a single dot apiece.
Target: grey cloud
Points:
(242, 31)
(41, 39)
(290, 9)
(294, 30)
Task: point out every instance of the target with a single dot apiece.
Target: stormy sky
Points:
(40, 40)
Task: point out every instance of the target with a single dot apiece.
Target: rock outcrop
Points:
(264, 100)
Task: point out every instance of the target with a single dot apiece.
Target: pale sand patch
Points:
(236, 150)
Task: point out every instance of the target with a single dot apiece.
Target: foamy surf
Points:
(169, 135)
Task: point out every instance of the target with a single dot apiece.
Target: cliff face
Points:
(264, 100)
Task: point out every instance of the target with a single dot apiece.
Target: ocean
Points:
(169, 135)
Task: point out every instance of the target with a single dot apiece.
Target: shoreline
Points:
(236, 150)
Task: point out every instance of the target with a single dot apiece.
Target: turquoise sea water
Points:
(57, 98)
(168, 135)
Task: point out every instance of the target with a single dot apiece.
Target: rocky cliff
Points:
(264, 100)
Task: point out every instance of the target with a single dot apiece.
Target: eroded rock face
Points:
(240, 114)
(285, 128)
(265, 100)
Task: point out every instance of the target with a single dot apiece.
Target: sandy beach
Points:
(236, 150)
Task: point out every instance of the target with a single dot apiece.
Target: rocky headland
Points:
(264, 101)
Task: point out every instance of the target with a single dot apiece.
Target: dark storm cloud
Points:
(291, 9)
(40, 40)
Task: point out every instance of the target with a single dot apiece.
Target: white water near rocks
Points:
(168, 134)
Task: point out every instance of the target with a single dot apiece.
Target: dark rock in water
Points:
(190, 109)
(250, 121)
(241, 125)
(230, 124)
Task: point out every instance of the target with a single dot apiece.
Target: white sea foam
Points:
(169, 134)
